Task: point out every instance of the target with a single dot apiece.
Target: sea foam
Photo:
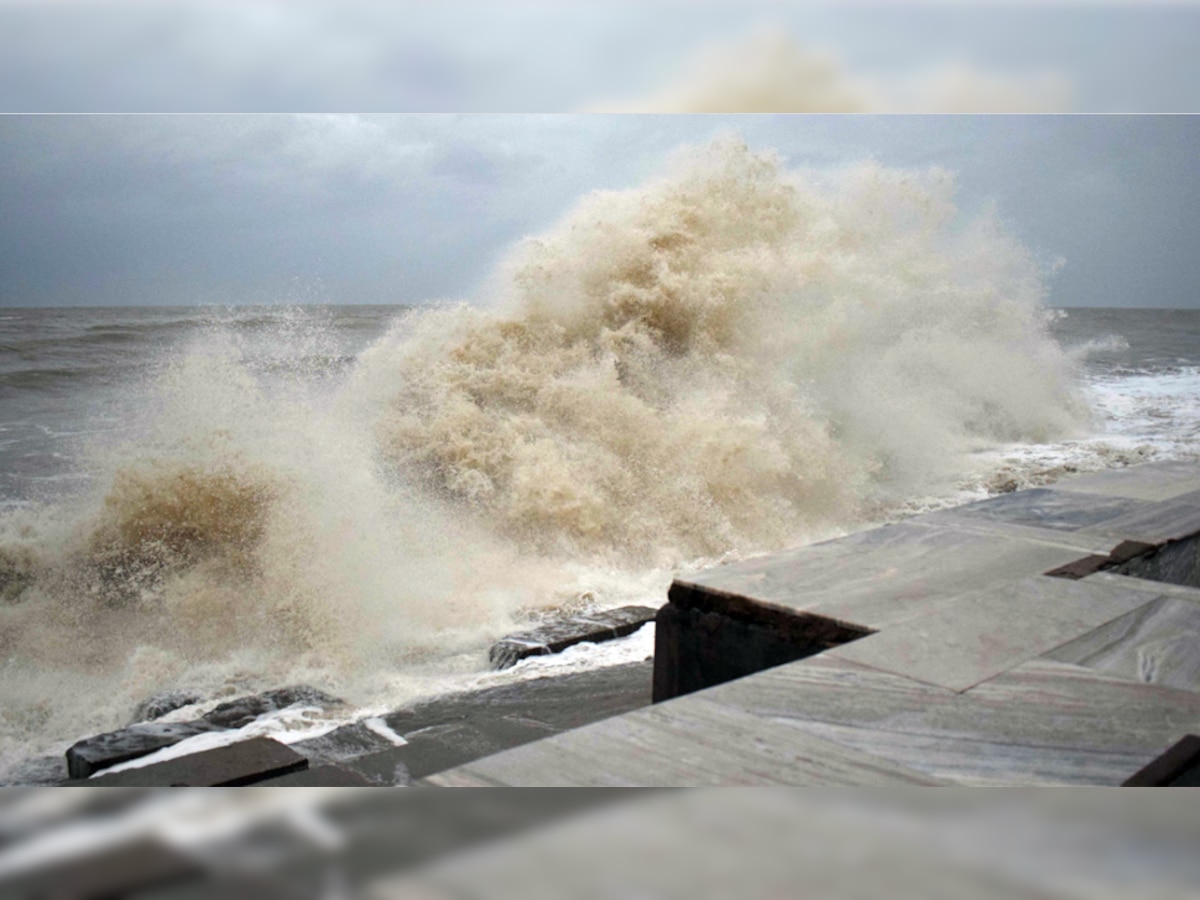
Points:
(731, 358)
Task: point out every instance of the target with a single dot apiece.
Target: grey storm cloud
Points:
(534, 55)
(107, 210)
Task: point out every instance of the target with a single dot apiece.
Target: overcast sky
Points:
(114, 210)
(547, 56)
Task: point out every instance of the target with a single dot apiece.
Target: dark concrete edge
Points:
(1117, 556)
(1127, 550)
(789, 623)
(707, 637)
(513, 648)
(1161, 771)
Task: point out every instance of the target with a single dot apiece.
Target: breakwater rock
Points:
(556, 636)
(102, 751)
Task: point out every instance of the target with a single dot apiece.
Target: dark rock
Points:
(161, 704)
(245, 710)
(246, 762)
(440, 733)
(556, 636)
(103, 750)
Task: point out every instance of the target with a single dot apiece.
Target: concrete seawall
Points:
(1043, 637)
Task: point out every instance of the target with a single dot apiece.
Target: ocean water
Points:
(728, 360)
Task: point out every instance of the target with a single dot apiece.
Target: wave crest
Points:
(725, 358)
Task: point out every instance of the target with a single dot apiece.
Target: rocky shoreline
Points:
(398, 748)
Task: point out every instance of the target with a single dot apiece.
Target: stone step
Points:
(246, 762)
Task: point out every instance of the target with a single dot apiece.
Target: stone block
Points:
(101, 751)
(246, 762)
(245, 710)
(556, 636)
(104, 750)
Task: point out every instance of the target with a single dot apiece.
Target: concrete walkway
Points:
(936, 651)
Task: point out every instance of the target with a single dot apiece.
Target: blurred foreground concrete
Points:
(900, 843)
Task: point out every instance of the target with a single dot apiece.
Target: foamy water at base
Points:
(300, 723)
